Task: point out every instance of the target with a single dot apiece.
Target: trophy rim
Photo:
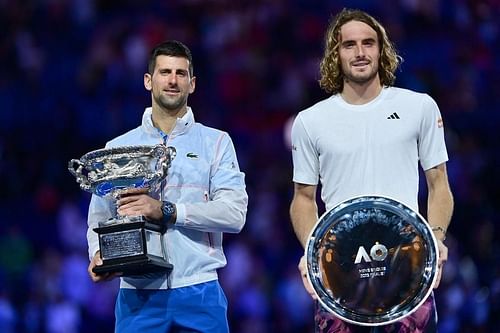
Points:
(91, 178)
(120, 150)
(394, 314)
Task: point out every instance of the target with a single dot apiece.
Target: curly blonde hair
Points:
(332, 79)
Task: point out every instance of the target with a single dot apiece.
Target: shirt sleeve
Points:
(226, 205)
(431, 143)
(100, 210)
(305, 156)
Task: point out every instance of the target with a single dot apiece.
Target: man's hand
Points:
(303, 274)
(443, 257)
(137, 202)
(97, 261)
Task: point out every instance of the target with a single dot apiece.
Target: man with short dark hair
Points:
(205, 197)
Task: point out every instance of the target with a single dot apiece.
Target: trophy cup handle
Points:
(165, 156)
(171, 152)
(77, 172)
(71, 167)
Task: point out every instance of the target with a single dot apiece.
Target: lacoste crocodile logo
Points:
(192, 155)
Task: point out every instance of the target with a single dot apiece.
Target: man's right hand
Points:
(97, 261)
(303, 275)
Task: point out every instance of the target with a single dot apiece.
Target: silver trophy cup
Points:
(131, 245)
(371, 260)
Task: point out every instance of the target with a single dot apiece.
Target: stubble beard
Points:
(171, 104)
(360, 78)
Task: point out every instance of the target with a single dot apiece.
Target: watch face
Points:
(168, 208)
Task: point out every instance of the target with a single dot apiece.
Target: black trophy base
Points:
(131, 246)
(136, 266)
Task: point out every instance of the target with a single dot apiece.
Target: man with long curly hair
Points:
(368, 138)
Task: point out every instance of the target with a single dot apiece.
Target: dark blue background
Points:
(71, 78)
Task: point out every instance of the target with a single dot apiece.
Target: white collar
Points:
(182, 124)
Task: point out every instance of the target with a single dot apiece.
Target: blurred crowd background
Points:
(71, 78)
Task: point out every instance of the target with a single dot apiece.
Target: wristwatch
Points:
(168, 209)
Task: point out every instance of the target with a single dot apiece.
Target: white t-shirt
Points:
(370, 149)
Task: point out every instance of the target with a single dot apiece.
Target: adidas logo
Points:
(393, 116)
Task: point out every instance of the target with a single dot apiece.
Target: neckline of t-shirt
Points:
(362, 107)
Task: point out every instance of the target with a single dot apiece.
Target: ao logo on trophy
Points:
(378, 252)
(371, 260)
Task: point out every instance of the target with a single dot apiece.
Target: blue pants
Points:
(199, 308)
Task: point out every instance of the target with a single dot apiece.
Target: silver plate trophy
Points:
(130, 245)
(371, 260)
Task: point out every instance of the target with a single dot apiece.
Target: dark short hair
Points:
(171, 48)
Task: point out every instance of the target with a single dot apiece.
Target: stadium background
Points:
(71, 78)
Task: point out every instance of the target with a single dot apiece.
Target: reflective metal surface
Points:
(372, 260)
(105, 172)
(128, 244)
